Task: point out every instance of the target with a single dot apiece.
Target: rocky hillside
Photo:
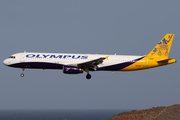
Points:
(154, 113)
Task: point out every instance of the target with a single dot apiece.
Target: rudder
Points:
(162, 49)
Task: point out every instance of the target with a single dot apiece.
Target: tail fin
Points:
(162, 49)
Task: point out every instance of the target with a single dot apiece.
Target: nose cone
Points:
(5, 62)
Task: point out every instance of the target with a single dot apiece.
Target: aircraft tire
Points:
(22, 75)
(88, 76)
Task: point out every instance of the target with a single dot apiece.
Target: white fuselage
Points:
(57, 60)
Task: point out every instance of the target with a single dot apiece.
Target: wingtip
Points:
(107, 57)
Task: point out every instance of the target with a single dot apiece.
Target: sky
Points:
(94, 27)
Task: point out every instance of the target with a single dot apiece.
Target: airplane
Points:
(79, 63)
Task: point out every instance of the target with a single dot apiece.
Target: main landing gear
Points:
(88, 76)
(22, 74)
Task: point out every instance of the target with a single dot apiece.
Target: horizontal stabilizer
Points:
(166, 61)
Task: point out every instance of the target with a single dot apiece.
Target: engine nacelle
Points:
(72, 70)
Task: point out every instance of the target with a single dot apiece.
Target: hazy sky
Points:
(88, 26)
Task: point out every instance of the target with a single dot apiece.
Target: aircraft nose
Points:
(5, 62)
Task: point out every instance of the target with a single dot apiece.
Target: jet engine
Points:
(72, 70)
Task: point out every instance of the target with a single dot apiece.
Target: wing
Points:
(93, 63)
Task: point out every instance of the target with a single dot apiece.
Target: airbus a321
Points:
(79, 63)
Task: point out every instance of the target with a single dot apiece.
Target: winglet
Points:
(107, 57)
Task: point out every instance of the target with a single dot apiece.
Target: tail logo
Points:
(162, 48)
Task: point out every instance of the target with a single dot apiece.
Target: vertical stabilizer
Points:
(162, 49)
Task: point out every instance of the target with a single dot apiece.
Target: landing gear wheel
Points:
(22, 75)
(88, 76)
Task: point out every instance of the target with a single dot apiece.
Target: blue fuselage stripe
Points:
(119, 66)
(37, 65)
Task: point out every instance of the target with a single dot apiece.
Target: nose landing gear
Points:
(22, 74)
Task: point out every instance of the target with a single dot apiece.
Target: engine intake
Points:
(72, 70)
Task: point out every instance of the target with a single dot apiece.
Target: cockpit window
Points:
(12, 57)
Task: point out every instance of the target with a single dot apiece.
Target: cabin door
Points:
(56, 60)
(145, 62)
(22, 57)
